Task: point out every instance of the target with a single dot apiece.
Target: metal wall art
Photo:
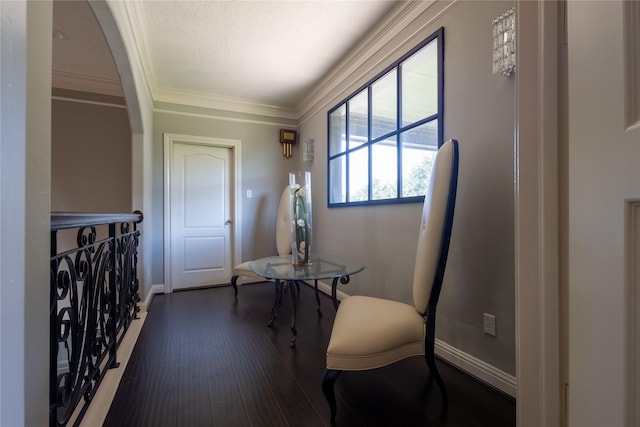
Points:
(308, 149)
(504, 43)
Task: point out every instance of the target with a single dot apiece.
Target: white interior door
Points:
(200, 215)
(604, 187)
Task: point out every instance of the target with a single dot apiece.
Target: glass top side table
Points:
(281, 269)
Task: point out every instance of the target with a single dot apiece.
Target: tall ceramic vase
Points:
(301, 230)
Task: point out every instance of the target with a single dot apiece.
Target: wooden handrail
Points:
(65, 220)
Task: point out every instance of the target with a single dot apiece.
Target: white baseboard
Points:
(326, 288)
(473, 366)
(97, 411)
(155, 289)
(245, 280)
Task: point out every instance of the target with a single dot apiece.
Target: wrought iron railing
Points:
(94, 298)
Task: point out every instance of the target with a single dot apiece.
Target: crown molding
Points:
(385, 31)
(222, 103)
(83, 83)
(216, 115)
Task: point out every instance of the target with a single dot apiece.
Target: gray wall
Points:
(90, 158)
(479, 112)
(37, 216)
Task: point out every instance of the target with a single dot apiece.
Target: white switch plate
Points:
(489, 324)
(249, 194)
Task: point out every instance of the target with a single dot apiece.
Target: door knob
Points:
(227, 222)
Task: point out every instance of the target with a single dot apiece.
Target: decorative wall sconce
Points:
(504, 43)
(308, 149)
(287, 139)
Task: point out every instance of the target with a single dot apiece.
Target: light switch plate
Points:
(489, 324)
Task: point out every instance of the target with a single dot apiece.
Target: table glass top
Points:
(321, 267)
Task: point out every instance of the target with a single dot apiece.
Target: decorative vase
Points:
(300, 190)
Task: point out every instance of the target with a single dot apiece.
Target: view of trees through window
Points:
(383, 138)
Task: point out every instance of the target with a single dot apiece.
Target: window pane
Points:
(419, 147)
(338, 182)
(384, 169)
(338, 130)
(420, 84)
(359, 175)
(358, 123)
(380, 146)
(384, 105)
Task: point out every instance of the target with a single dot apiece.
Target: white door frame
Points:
(236, 209)
(536, 215)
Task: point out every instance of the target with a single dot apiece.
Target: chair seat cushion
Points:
(243, 270)
(370, 333)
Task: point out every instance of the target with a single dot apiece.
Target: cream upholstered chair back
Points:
(283, 224)
(435, 227)
(283, 243)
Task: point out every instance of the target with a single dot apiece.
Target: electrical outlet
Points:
(489, 324)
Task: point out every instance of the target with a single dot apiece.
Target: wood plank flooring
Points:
(204, 358)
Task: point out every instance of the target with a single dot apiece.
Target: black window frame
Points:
(438, 117)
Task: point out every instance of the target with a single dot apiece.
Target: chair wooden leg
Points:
(329, 380)
(234, 279)
(431, 363)
(429, 354)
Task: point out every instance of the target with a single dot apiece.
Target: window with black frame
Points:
(384, 137)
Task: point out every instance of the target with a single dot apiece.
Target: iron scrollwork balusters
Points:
(94, 296)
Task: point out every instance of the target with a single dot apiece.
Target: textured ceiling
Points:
(261, 52)
(79, 47)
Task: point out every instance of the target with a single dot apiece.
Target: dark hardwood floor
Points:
(206, 359)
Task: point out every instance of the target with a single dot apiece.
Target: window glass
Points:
(358, 119)
(420, 84)
(419, 147)
(384, 105)
(383, 138)
(338, 130)
(338, 182)
(384, 169)
(359, 175)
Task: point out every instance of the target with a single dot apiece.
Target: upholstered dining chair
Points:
(369, 332)
(283, 243)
